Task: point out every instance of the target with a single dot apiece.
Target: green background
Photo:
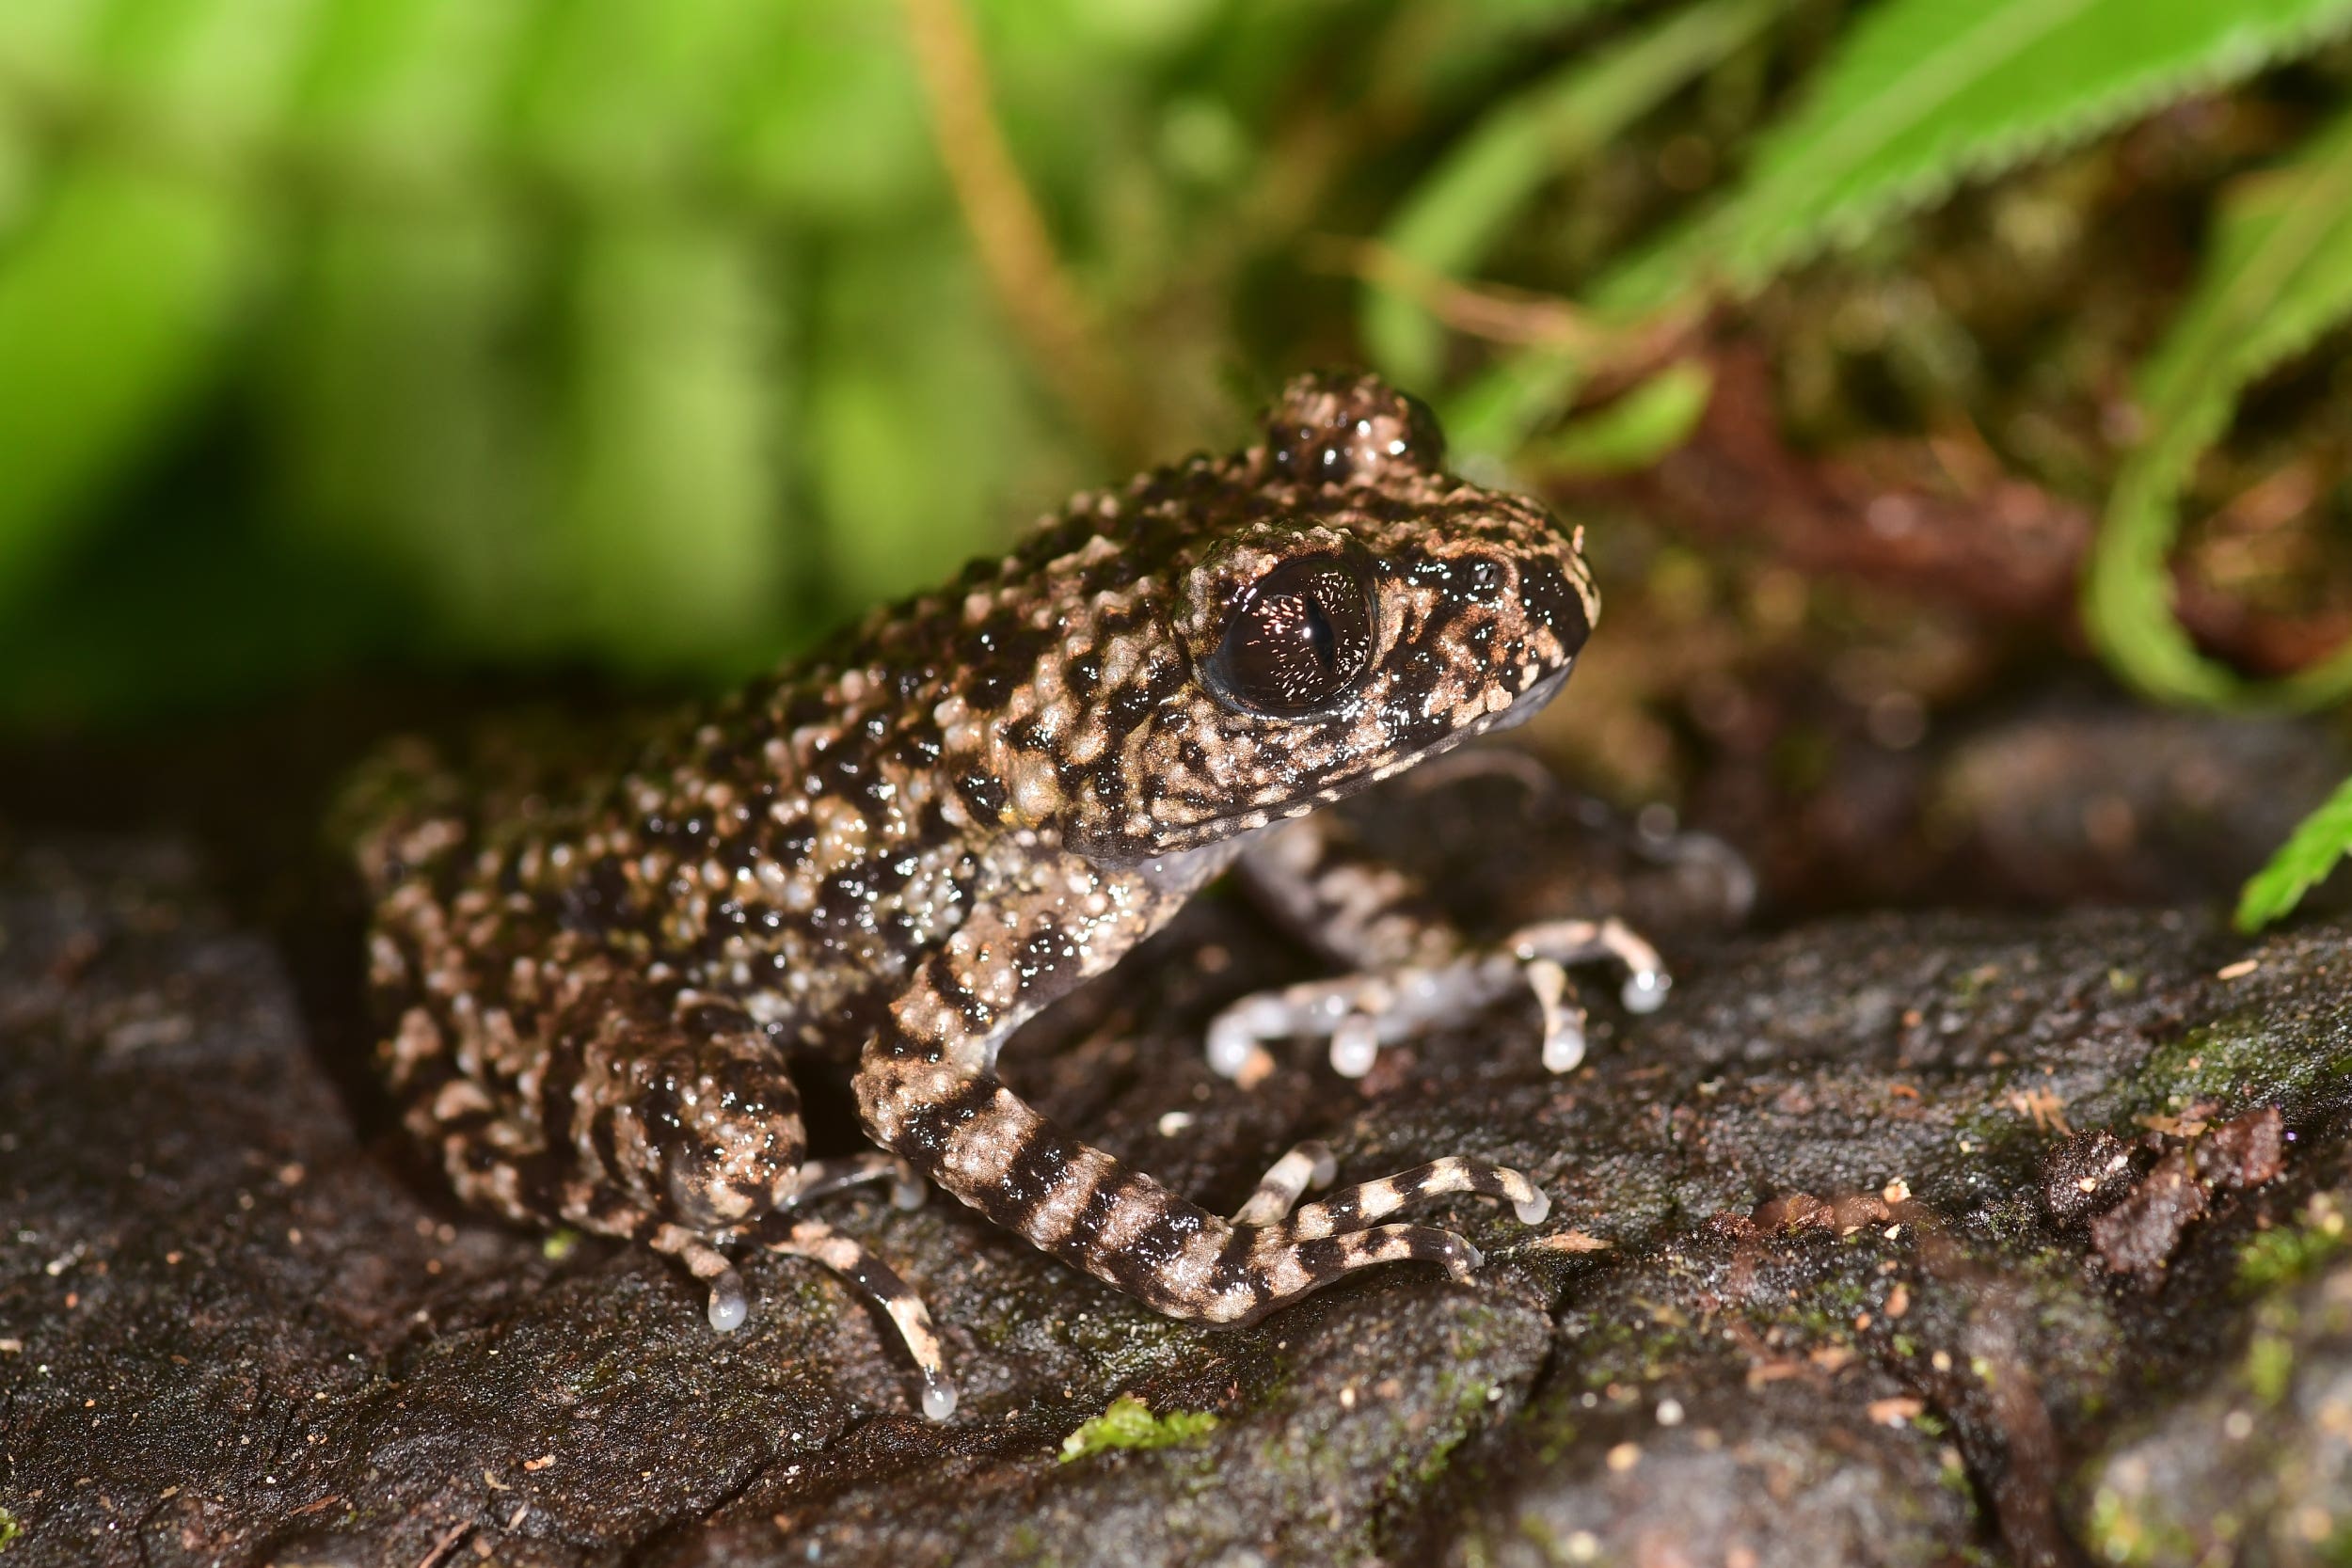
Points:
(346, 339)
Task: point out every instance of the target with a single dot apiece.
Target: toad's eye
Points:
(1299, 637)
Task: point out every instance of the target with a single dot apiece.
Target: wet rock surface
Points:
(1896, 1239)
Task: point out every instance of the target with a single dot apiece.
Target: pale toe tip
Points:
(1230, 1053)
(939, 1400)
(730, 1304)
(1534, 1210)
(1355, 1048)
(1645, 991)
(906, 1194)
(1564, 1049)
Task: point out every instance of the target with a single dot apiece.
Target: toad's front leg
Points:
(1413, 969)
(928, 1093)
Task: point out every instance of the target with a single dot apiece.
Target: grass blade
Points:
(2278, 274)
(112, 308)
(1468, 201)
(670, 505)
(2301, 863)
(1926, 93)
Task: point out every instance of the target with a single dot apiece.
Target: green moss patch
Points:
(2271, 1259)
(1130, 1424)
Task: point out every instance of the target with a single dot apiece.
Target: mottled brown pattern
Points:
(894, 852)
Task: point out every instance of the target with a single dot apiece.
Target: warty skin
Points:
(888, 856)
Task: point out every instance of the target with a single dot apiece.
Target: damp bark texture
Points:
(1913, 1238)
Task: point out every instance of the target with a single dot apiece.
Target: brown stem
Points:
(1498, 314)
(1015, 250)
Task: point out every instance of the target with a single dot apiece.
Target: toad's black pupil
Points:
(1319, 635)
(1299, 638)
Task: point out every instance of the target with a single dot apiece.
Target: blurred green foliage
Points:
(659, 334)
(2278, 276)
(2301, 863)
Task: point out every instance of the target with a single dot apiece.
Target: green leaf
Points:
(1634, 429)
(670, 509)
(1925, 93)
(634, 98)
(2301, 863)
(19, 176)
(670, 541)
(409, 90)
(1145, 29)
(118, 294)
(411, 435)
(2277, 273)
(45, 43)
(909, 357)
(1491, 418)
(1465, 205)
(207, 77)
(835, 128)
(113, 307)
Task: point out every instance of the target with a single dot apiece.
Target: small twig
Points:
(1614, 352)
(448, 1539)
(1015, 250)
(1492, 311)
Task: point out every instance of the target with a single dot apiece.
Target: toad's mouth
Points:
(1522, 707)
(1205, 845)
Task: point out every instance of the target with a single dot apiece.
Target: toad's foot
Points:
(730, 1305)
(979, 1141)
(1311, 1166)
(879, 1283)
(1360, 1013)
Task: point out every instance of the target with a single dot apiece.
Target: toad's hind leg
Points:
(930, 1097)
(686, 1132)
(1307, 1167)
(729, 1306)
